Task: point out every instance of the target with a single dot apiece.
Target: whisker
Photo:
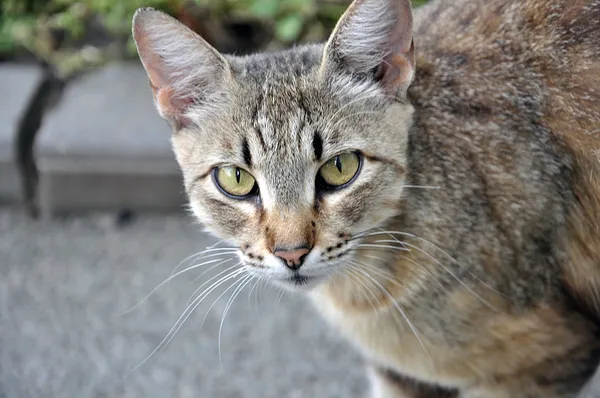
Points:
(421, 266)
(213, 267)
(167, 281)
(262, 287)
(446, 254)
(247, 279)
(197, 256)
(468, 288)
(185, 315)
(387, 276)
(253, 287)
(193, 296)
(356, 278)
(362, 234)
(395, 240)
(257, 292)
(437, 261)
(211, 307)
(281, 292)
(421, 187)
(400, 310)
(376, 245)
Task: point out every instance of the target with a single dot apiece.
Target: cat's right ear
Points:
(375, 37)
(182, 67)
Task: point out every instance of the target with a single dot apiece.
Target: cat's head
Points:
(289, 155)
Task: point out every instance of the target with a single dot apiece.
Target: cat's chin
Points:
(299, 282)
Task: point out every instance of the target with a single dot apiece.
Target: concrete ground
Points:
(66, 283)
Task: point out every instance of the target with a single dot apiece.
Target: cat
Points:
(431, 182)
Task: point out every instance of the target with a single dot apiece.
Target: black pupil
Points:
(238, 174)
(338, 164)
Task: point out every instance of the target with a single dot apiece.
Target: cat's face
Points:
(289, 156)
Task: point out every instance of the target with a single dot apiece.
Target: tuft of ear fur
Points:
(182, 67)
(375, 36)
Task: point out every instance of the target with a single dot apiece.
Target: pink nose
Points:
(292, 258)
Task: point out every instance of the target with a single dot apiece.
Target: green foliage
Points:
(55, 30)
(291, 18)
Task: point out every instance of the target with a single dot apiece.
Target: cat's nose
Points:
(292, 258)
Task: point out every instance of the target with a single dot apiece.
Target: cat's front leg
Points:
(389, 384)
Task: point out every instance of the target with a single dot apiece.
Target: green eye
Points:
(340, 169)
(234, 180)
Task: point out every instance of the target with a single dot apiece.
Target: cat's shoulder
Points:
(537, 63)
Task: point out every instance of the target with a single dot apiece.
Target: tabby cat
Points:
(432, 183)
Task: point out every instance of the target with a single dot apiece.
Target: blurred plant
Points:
(61, 33)
(57, 31)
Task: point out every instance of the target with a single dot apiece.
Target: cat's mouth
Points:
(300, 280)
(313, 272)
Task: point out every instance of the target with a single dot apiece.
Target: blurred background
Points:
(92, 219)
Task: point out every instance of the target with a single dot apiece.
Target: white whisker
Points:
(258, 278)
(213, 267)
(468, 288)
(421, 266)
(193, 296)
(369, 233)
(400, 310)
(446, 254)
(421, 187)
(211, 307)
(167, 281)
(375, 245)
(247, 279)
(382, 274)
(351, 270)
(186, 314)
(281, 292)
(197, 256)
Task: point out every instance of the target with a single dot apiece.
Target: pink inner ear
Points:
(167, 100)
(152, 61)
(397, 69)
(170, 104)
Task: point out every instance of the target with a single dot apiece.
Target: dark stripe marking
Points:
(318, 145)
(246, 152)
(259, 101)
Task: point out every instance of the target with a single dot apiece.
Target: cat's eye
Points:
(341, 169)
(234, 181)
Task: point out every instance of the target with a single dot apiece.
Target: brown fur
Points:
(467, 250)
(545, 73)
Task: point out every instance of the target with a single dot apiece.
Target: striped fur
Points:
(480, 138)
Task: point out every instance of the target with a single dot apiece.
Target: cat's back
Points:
(524, 65)
(550, 49)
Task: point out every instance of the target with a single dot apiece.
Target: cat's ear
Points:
(182, 67)
(375, 36)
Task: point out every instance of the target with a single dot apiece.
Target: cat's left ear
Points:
(375, 36)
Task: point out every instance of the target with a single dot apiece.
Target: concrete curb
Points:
(104, 147)
(19, 83)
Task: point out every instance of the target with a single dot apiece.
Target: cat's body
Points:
(504, 98)
(466, 247)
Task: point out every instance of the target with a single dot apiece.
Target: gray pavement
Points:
(65, 284)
